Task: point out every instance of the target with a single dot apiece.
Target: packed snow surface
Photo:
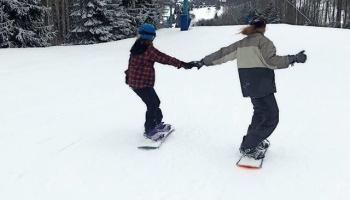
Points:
(69, 126)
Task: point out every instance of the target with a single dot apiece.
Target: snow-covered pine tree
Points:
(124, 26)
(270, 13)
(89, 22)
(6, 29)
(95, 21)
(26, 26)
(147, 11)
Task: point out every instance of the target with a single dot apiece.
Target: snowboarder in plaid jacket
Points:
(256, 60)
(140, 76)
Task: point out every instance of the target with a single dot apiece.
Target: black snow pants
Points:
(264, 121)
(154, 114)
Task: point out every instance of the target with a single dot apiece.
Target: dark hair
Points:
(140, 46)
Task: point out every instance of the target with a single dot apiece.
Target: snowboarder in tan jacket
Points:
(256, 61)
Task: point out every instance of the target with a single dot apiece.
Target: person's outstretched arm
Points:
(274, 61)
(268, 51)
(163, 58)
(225, 54)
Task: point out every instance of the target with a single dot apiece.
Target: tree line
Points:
(327, 13)
(41, 23)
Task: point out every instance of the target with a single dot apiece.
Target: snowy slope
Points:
(69, 126)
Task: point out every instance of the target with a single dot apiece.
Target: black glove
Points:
(187, 65)
(298, 58)
(198, 64)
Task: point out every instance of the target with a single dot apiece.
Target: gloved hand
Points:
(298, 58)
(187, 65)
(198, 64)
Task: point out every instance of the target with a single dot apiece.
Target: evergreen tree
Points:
(147, 11)
(97, 21)
(25, 25)
(89, 22)
(124, 26)
(270, 14)
(6, 29)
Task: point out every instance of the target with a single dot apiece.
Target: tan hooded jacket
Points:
(256, 60)
(254, 51)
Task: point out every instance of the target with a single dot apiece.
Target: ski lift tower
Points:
(185, 16)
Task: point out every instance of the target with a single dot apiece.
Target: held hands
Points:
(198, 64)
(190, 65)
(187, 65)
(298, 58)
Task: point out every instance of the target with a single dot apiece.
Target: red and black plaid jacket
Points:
(140, 73)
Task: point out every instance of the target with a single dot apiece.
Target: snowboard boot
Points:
(255, 153)
(264, 144)
(157, 132)
(162, 127)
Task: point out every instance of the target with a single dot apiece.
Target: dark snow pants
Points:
(264, 121)
(154, 114)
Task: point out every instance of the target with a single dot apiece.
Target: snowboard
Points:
(250, 163)
(148, 144)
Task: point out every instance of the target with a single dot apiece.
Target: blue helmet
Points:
(147, 32)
